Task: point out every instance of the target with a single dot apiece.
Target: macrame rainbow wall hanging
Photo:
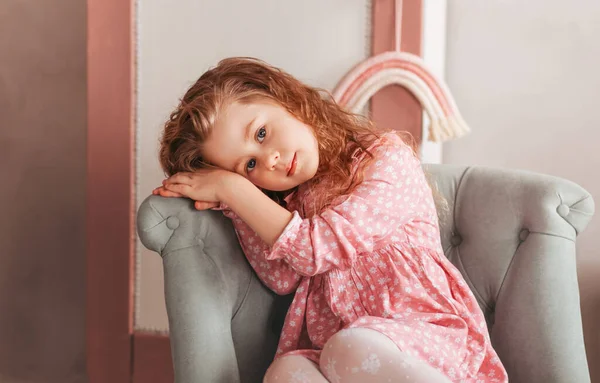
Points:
(409, 71)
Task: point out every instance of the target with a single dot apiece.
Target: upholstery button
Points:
(563, 210)
(456, 240)
(199, 240)
(523, 234)
(172, 222)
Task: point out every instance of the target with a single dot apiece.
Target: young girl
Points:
(327, 207)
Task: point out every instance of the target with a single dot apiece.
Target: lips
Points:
(291, 168)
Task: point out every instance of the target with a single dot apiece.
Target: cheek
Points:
(268, 181)
(259, 179)
(311, 139)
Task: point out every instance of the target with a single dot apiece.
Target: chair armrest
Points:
(205, 282)
(222, 319)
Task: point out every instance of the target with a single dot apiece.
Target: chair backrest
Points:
(512, 236)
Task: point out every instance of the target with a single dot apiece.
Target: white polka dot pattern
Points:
(375, 261)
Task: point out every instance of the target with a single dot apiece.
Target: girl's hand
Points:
(202, 186)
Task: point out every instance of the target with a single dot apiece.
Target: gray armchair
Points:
(511, 234)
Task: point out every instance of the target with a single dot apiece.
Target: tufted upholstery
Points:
(511, 234)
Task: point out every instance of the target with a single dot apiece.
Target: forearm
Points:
(262, 214)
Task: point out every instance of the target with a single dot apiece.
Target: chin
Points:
(274, 188)
(284, 188)
(280, 188)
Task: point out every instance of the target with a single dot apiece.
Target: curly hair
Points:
(341, 135)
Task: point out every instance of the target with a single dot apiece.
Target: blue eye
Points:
(261, 134)
(250, 165)
(260, 137)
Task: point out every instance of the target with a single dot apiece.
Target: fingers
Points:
(163, 192)
(179, 178)
(199, 205)
(181, 189)
(168, 191)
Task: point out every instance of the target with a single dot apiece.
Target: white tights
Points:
(355, 355)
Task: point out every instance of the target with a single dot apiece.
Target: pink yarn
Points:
(439, 94)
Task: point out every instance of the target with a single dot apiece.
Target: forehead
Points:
(235, 117)
(232, 120)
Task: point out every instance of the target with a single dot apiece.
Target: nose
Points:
(271, 160)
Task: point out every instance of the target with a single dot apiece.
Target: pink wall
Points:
(42, 198)
(110, 212)
(394, 107)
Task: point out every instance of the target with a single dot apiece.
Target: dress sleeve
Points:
(394, 191)
(276, 274)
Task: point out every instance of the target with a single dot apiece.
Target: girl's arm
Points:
(202, 186)
(275, 274)
(262, 214)
(394, 191)
(258, 222)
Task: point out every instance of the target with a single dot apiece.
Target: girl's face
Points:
(264, 143)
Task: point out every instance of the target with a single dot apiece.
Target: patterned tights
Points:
(355, 356)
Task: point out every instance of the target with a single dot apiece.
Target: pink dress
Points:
(374, 260)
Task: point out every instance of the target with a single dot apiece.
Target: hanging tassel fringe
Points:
(409, 71)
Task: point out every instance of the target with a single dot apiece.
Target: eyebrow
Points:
(249, 128)
(248, 131)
